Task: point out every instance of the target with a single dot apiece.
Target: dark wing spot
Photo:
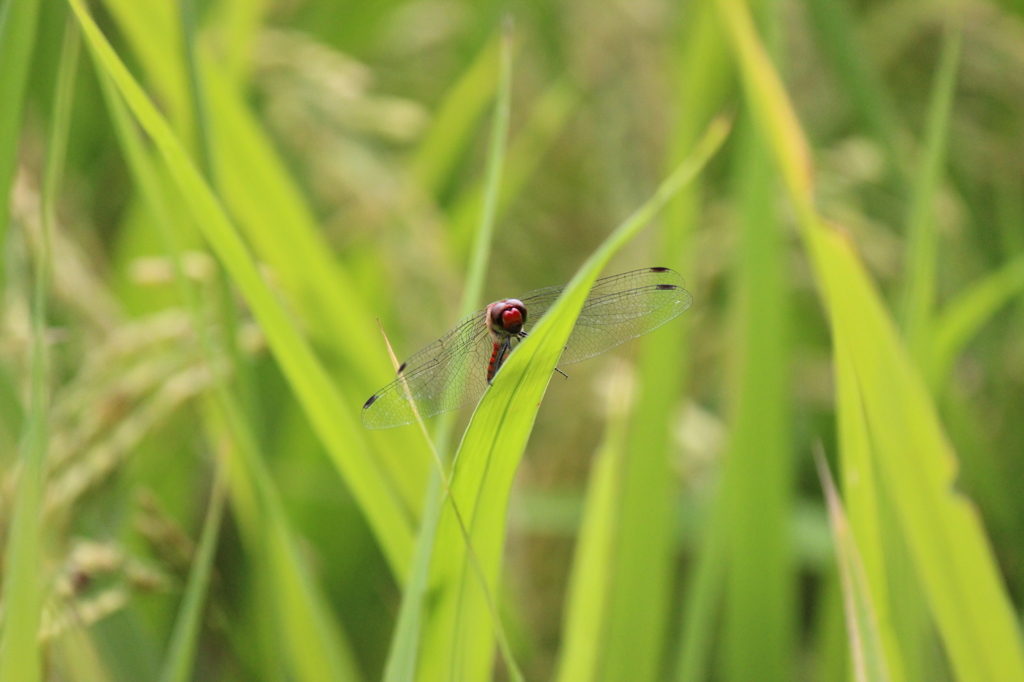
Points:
(401, 367)
(659, 269)
(371, 400)
(666, 287)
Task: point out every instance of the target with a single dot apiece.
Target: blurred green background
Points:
(187, 492)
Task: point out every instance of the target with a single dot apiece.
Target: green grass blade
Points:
(545, 122)
(860, 487)
(965, 315)
(704, 77)
(332, 417)
(181, 653)
(759, 628)
(155, 34)
(403, 656)
(775, 118)
(492, 186)
(405, 643)
(303, 626)
(259, 193)
(644, 548)
(922, 238)
(703, 598)
(585, 623)
(455, 120)
(238, 25)
(836, 26)
(832, 645)
(17, 39)
(187, 48)
(867, 652)
(306, 639)
(642, 575)
(460, 642)
(24, 569)
(942, 531)
(262, 199)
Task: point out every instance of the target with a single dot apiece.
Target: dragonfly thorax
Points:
(506, 317)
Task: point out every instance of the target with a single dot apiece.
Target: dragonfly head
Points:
(507, 316)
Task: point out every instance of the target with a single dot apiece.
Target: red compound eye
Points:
(511, 317)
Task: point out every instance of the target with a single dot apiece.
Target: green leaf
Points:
(922, 237)
(153, 30)
(303, 627)
(759, 628)
(332, 416)
(402, 658)
(264, 198)
(17, 39)
(915, 462)
(492, 186)
(181, 653)
(547, 119)
(459, 640)
(704, 78)
(455, 120)
(837, 27)
(24, 576)
(585, 624)
(703, 598)
(862, 494)
(259, 193)
(965, 315)
(917, 467)
(306, 639)
(869, 661)
(405, 643)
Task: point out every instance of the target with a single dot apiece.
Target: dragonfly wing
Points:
(452, 371)
(445, 375)
(616, 318)
(538, 302)
(617, 309)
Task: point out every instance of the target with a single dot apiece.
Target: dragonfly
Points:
(456, 369)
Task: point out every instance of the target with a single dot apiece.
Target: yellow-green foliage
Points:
(213, 204)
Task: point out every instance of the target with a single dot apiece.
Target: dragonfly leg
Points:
(523, 335)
